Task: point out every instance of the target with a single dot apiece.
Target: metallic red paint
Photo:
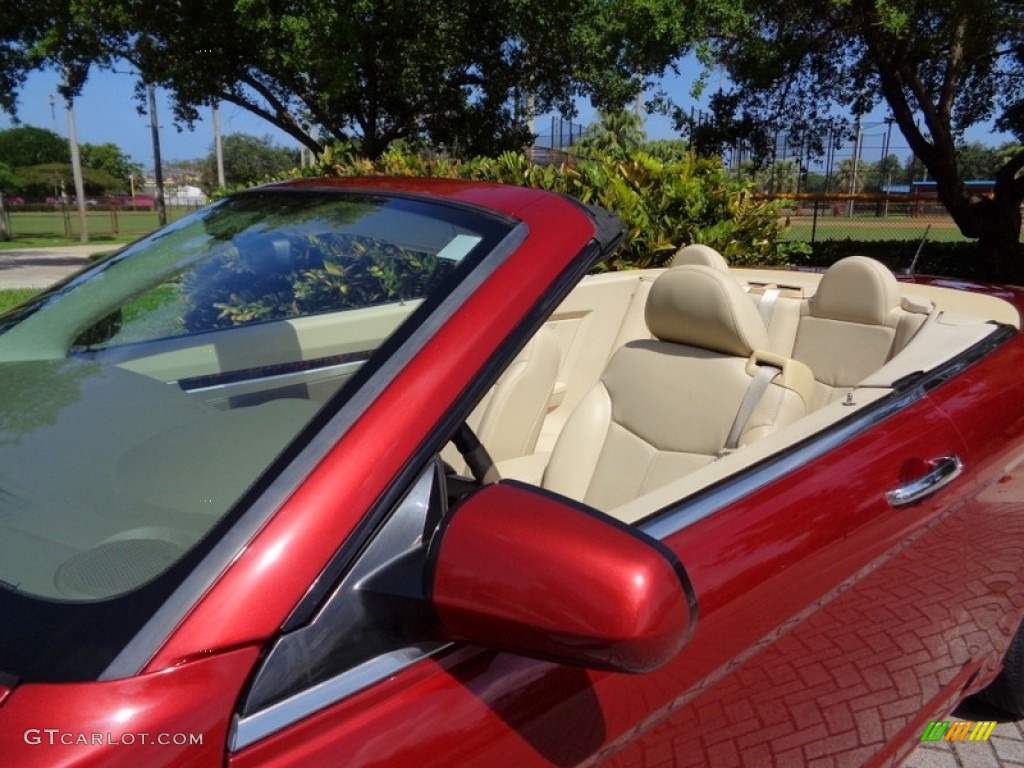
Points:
(121, 723)
(519, 569)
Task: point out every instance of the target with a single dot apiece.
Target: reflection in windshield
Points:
(142, 400)
(154, 442)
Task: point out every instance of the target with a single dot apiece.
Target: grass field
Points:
(9, 297)
(54, 242)
(124, 224)
(872, 228)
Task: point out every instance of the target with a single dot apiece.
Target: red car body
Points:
(830, 626)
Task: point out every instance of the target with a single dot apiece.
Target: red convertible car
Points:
(376, 473)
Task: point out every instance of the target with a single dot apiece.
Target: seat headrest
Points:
(702, 307)
(700, 254)
(857, 289)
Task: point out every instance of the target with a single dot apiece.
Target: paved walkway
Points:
(39, 267)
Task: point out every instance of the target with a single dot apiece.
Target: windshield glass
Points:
(140, 401)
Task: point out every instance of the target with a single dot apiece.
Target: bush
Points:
(664, 203)
(945, 259)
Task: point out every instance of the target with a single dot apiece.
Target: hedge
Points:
(664, 203)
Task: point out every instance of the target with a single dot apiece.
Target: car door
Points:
(831, 622)
(830, 625)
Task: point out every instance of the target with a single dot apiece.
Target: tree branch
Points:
(947, 94)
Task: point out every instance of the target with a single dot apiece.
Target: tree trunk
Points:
(5, 222)
(996, 223)
(999, 250)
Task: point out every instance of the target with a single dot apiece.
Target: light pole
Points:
(76, 171)
(161, 209)
(218, 146)
(856, 160)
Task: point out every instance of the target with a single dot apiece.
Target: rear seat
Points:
(853, 325)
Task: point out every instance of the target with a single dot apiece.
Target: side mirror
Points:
(525, 571)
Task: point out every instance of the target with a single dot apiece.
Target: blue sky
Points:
(106, 112)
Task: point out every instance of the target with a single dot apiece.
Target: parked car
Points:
(372, 472)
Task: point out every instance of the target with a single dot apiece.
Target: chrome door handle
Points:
(945, 470)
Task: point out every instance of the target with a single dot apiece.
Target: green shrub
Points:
(936, 258)
(664, 203)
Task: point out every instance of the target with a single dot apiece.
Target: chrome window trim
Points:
(297, 377)
(674, 519)
(142, 647)
(249, 729)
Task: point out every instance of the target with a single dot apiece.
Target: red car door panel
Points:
(829, 621)
(986, 402)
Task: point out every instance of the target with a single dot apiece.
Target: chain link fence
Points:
(865, 217)
(61, 221)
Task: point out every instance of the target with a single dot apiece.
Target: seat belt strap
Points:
(758, 386)
(767, 304)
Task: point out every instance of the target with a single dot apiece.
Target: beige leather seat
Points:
(696, 253)
(765, 297)
(666, 406)
(633, 324)
(508, 419)
(854, 324)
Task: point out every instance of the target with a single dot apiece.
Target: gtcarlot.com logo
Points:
(57, 737)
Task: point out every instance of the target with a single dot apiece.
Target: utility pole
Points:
(856, 160)
(76, 171)
(161, 209)
(218, 146)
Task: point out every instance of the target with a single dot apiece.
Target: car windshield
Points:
(140, 401)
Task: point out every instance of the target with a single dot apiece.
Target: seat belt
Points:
(767, 304)
(758, 386)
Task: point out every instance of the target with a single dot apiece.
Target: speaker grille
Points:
(115, 567)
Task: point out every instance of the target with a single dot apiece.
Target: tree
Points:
(247, 160)
(7, 179)
(888, 170)
(23, 24)
(27, 145)
(466, 74)
(619, 132)
(939, 65)
(40, 163)
(108, 157)
(56, 180)
(976, 161)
